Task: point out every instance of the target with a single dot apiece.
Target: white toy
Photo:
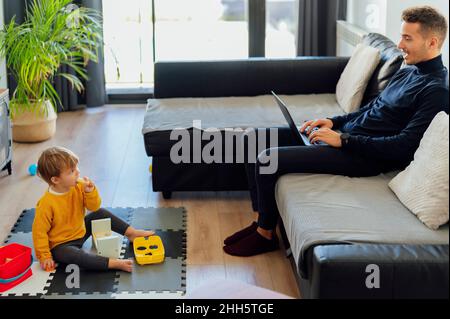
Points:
(107, 244)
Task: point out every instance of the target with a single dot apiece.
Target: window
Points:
(281, 26)
(201, 29)
(187, 30)
(128, 37)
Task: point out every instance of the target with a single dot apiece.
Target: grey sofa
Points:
(340, 237)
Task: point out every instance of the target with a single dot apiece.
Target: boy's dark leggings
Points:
(71, 252)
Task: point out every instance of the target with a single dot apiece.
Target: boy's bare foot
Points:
(121, 264)
(132, 233)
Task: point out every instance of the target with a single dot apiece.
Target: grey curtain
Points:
(95, 92)
(317, 26)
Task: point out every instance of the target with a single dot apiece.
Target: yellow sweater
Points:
(60, 218)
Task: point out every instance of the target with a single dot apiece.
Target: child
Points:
(60, 226)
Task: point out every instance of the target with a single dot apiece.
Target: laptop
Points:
(302, 138)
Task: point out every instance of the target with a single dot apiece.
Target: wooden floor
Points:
(109, 142)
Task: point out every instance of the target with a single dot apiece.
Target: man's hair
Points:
(53, 161)
(431, 21)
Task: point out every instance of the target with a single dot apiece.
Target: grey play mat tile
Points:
(121, 212)
(158, 218)
(100, 282)
(167, 276)
(25, 239)
(24, 223)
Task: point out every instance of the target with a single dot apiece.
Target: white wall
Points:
(384, 16)
(368, 14)
(2, 62)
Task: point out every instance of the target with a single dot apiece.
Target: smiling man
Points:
(382, 136)
(392, 126)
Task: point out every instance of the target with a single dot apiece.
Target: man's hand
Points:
(88, 185)
(328, 136)
(321, 123)
(48, 264)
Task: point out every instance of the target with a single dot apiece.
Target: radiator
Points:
(347, 37)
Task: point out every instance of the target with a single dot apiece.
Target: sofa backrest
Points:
(391, 61)
(248, 77)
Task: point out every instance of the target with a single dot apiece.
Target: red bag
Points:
(15, 265)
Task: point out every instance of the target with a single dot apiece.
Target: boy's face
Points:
(415, 46)
(67, 178)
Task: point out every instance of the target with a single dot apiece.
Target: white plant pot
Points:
(36, 126)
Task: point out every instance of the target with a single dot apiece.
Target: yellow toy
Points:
(148, 250)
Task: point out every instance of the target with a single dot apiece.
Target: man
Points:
(380, 137)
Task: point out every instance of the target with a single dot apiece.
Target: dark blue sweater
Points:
(390, 127)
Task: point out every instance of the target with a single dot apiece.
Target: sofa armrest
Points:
(405, 271)
(249, 77)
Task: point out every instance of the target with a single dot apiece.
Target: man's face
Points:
(416, 48)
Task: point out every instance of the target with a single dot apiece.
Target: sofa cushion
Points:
(355, 77)
(164, 115)
(423, 186)
(390, 62)
(235, 112)
(325, 209)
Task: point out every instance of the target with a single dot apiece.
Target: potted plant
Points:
(55, 33)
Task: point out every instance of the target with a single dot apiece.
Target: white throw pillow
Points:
(423, 186)
(355, 77)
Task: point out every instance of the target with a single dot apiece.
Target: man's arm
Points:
(402, 147)
(335, 122)
(340, 120)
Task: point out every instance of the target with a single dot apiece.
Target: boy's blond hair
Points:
(53, 161)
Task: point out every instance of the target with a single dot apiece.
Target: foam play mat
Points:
(161, 280)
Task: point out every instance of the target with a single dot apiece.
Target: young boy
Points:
(60, 226)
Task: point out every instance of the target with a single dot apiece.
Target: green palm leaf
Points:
(48, 39)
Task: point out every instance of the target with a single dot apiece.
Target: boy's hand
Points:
(48, 264)
(88, 185)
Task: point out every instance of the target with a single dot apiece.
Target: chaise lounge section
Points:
(338, 228)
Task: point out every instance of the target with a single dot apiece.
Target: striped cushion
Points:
(423, 187)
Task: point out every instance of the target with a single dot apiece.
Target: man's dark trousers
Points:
(295, 157)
